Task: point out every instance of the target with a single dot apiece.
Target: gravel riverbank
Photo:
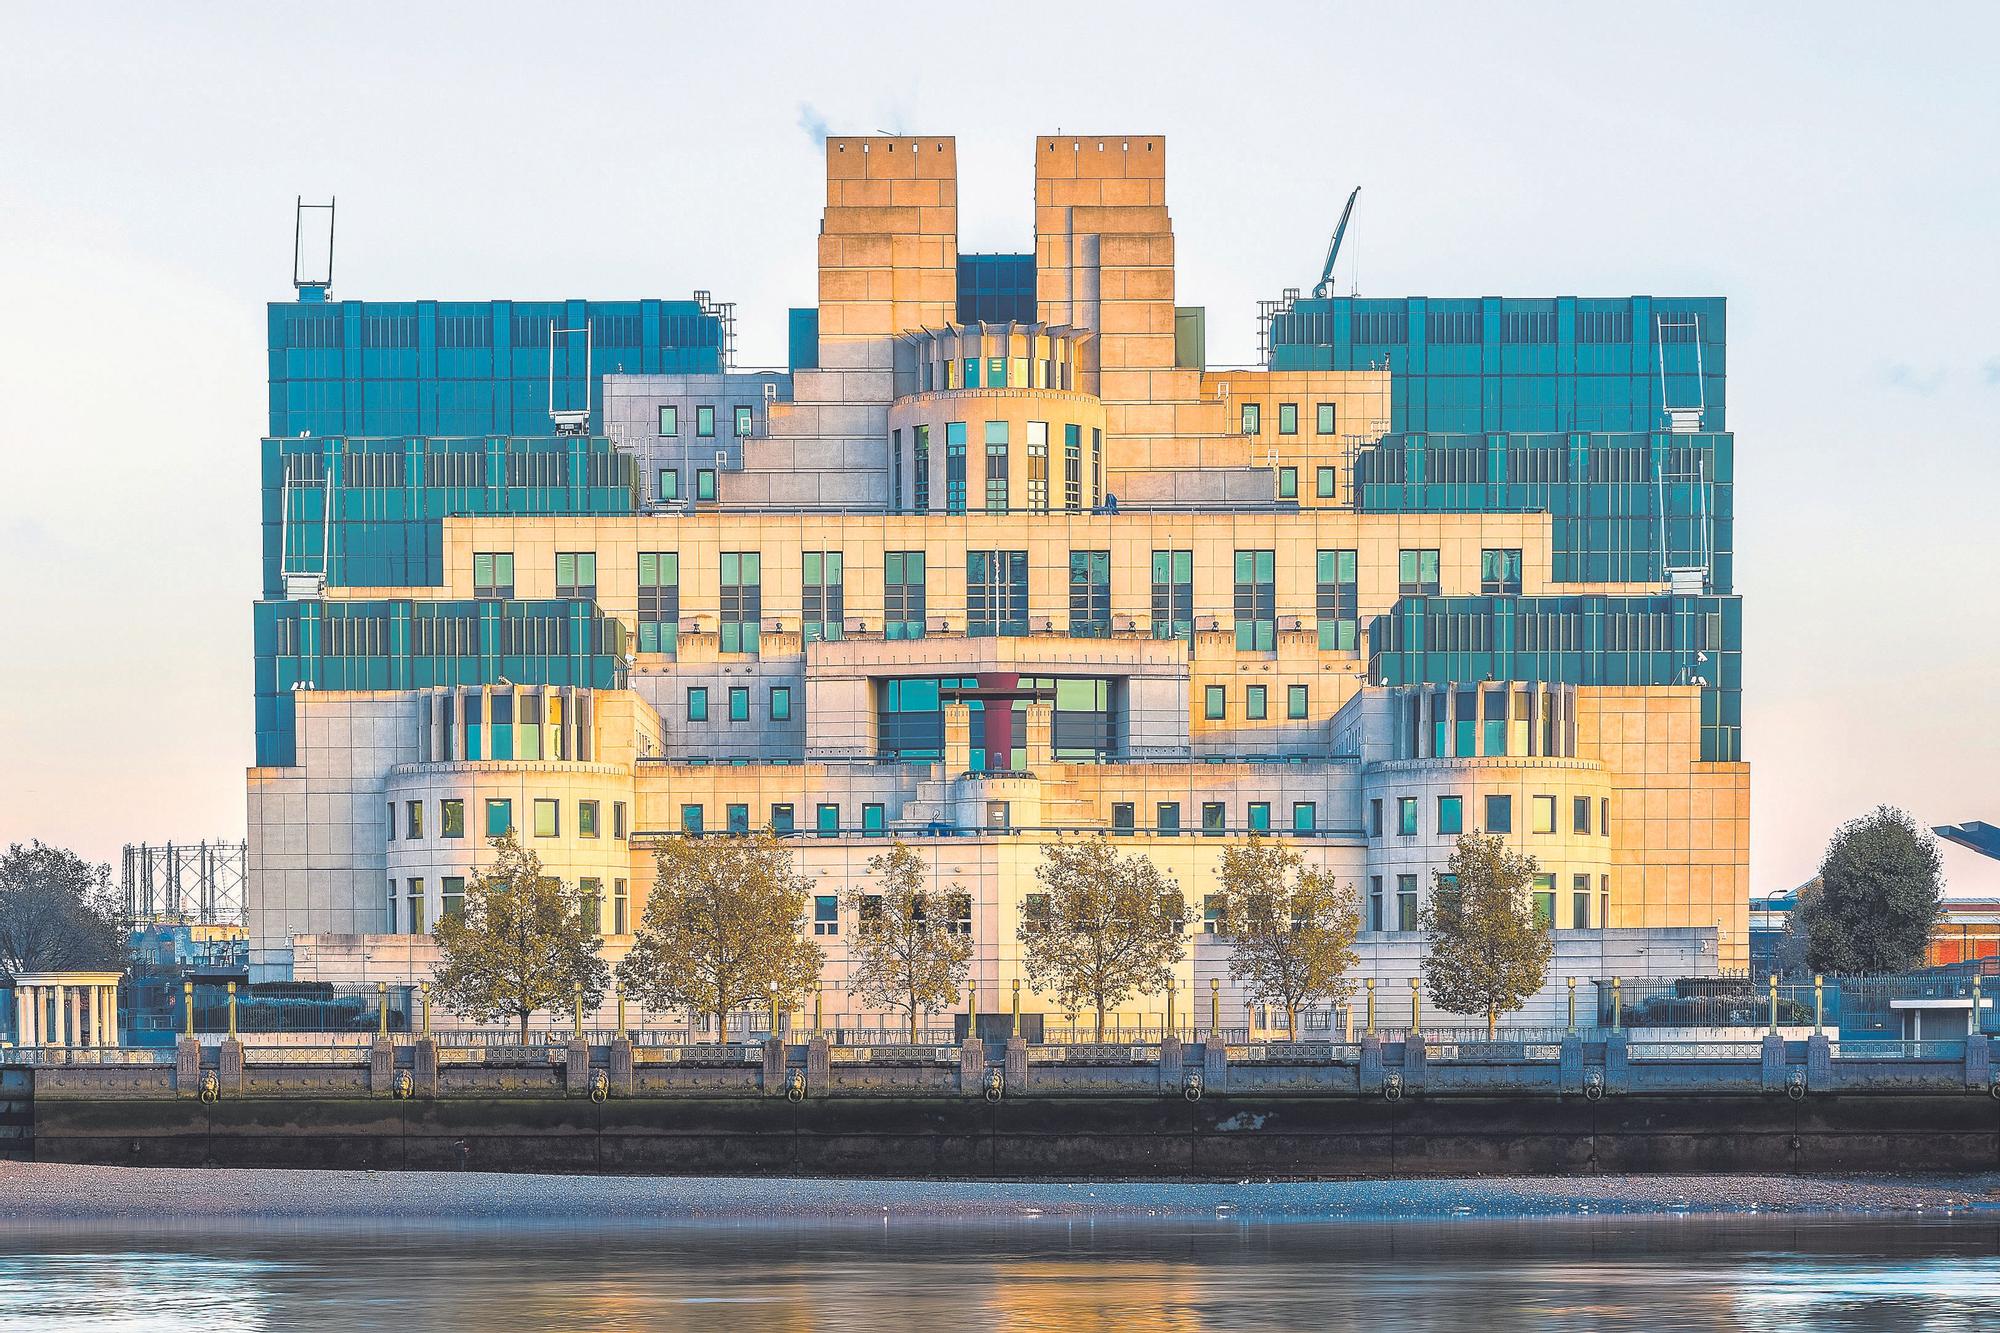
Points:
(36, 1194)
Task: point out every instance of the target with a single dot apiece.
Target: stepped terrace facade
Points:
(996, 560)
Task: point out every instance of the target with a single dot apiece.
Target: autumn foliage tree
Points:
(1106, 927)
(1488, 949)
(1291, 929)
(905, 953)
(58, 912)
(721, 929)
(521, 944)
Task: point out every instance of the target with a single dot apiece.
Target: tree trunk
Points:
(1492, 1020)
(1291, 1023)
(722, 1026)
(1100, 1023)
(913, 1020)
(524, 1026)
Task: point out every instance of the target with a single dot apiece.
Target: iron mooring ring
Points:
(1392, 1088)
(1994, 1086)
(995, 1086)
(795, 1086)
(600, 1085)
(1593, 1086)
(1191, 1087)
(1795, 1085)
(404, 1085)
(211, 1086)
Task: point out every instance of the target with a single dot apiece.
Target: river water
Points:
(1071, 1273)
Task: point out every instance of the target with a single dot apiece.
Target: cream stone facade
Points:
(980, 586)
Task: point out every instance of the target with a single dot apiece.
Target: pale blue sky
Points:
(1829, 169)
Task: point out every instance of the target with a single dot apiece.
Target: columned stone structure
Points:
(66, 1008)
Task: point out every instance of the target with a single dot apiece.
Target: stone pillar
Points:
(1978, 1058)
(1017, 1063)
(1371, 1063)
(1819, 1062)
(957, 739)
(971, 1065)
(1214, 1066)
(819, 1064)
(1172, 1068)
(62, 1014)
(229, 1059)
(1415, 1062)
(774, 1067)
(576, 1067)
(382, 1067)
(624, 1070)
(1570, 1066)
(22, 1035)
(1774, 1062)
(426, 1067)
(111, 1014)
(1617, 1063)
(187, 1067)
(1040, 736)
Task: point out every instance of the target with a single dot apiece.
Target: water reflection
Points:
(1750, 1274)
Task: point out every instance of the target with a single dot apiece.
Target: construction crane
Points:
(1325, 285)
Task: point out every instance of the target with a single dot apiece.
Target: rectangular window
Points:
(824, 608)
(548, 818)
(1253, 420)
(453, 887)
(499, 817)
(1579, 902)
(586, 819)
(621, 908)
(1499, 572)
(1324, 425)
(743, 423)
(590, 896)
(1256, 602)
(1406, 816)
(493, 575)
(1604, 815)
(1215, 702)
(1288, 418)
(1212, 821)
(1297, 702)
(691, 819)
(417, 923)
(670, 419)
(1417, 573)
(1038, 467)
(704, 421)
(1305, 816)
(1073, 468)
(1451, 814)
(1167, 818)
(739, 703)
(736, 817)
(704, 484)
(1375, 817)
(669, 487)
(996, 467)
(742, 600)
(996, 593)
(1260, 816)
(1545, 901)
(1121, 817)
(1288, 483)
(451, 818)
(697, 703)
(659, 601)
(1254, 705)
(1604, 902)
(1173, 594)
(903, 600)
(971, 372)
(1579, 814)
(1325, 483)
(1544, 814)
(618, 819)
(576, 574)
(1090, 594)
(873, 821)
(781, 818)
(413, 819)
(1336, 600)
(954, 466)
(826, 914)
(781, 703)
(829, 820)
(1499, 814)
(996, 372)
(1374, 902)
(1406, 902)
(920, 462)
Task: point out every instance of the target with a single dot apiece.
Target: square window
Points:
(697, 703)
(739, 703)
(451, 818)
(1499, 814)
(1326, 483)
(1406, 816)
(1305, 816)
(1288, 418)
(781, 703)
(1544, 814)
(670, 419)
(499, 818)
(1260, 816)
(826, 914)
(1167, 818)
(1451, 814)
(691, 820)
(1296, 702)
(548, 818)
(873, 821)
(704, 421)
(781, 819)
(586, 819)
(1215, 702)
(736, 818)
(1121, 817)
(1212, 820)
(829, 820)
(1254, 702)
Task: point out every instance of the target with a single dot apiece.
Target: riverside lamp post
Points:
(774, 1008)
(1416, 1006)
(1215, 1006)
(1370, 983)
(187, 1000)
(1572, 1006)
(382, 1008)
(1015, 1030)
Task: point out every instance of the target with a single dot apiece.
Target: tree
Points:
(1877, 904)
(1488, 948)
(58, 912)
(904, 954)
(1108, 926)
(520, 944)
(721, 929)
(1291, 929)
